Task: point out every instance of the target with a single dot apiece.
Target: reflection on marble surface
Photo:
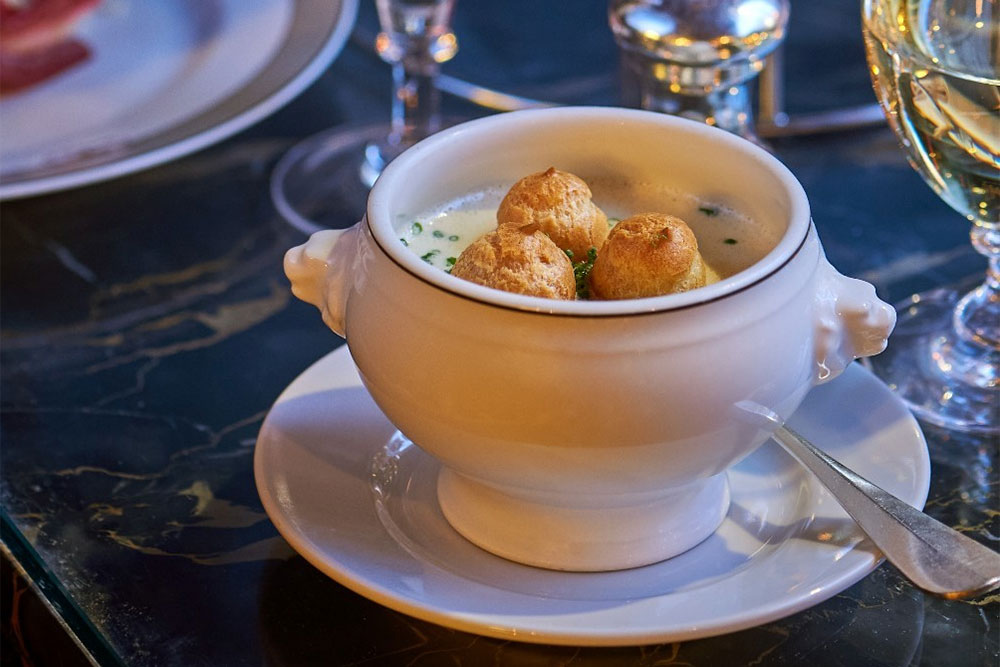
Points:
(147, 328)
(120, 439)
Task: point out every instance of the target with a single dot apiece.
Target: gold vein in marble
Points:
(225, 322)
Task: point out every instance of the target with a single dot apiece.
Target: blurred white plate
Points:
(164, 79)
(358, 501)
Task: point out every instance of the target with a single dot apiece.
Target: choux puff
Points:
(518, 259)
(649, 254)
(560, 204)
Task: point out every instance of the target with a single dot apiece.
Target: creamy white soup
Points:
(728, 241)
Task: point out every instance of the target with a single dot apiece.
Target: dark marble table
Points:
(147, 328)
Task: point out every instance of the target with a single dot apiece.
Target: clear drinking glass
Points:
(934, 64)
(324, 180)
(694, 58)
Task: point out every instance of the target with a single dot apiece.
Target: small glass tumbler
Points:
(695, 58)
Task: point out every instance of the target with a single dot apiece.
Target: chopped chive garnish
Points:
(416, 228)
(427, 256)
(581, 270)
(451, 261)
(709, 211)
(730, 241)
(438, 234)
(613, 221)
(403, 241)
(453, 237)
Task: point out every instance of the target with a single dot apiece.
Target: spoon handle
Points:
(933, 556)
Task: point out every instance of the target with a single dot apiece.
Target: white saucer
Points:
(358, 501)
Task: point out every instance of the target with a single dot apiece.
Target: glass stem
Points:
(416, 104)
(972, 354)
(977, 317)
(415, 40)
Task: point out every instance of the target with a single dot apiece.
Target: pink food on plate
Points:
(36, 40)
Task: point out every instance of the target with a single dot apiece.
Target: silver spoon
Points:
(933, 556)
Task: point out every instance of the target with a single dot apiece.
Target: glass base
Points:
(323, 182)
(943, 379)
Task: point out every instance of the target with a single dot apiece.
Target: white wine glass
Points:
(324, 181)
(934, 65)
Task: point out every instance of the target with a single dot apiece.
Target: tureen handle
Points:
(851, 321)
(319, 270)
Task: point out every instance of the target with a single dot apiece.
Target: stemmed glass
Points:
(324, 180)
(934, 64)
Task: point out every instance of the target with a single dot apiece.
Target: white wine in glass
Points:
(934, 65)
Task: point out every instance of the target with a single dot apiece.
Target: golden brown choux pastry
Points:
(648, 254)
(518, 259)
(559, 203)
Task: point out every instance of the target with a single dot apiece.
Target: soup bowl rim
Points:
(386, 237)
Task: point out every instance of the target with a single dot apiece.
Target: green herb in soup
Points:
(581, 271)
(439, 238)
(728, 240)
